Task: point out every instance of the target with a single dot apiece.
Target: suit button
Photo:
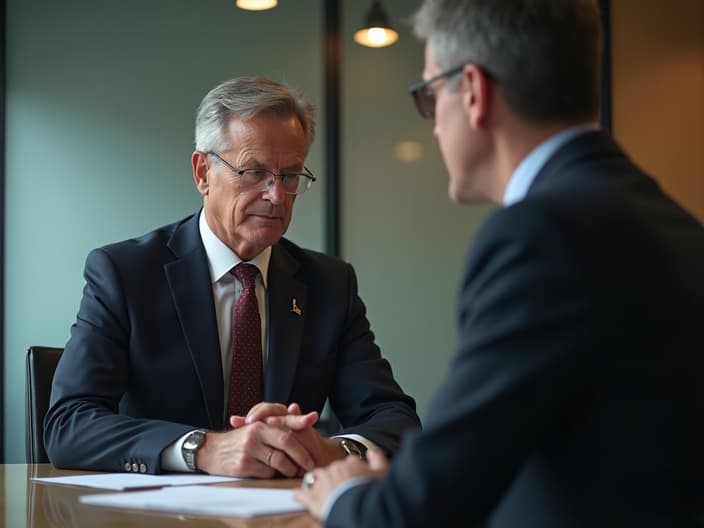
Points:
(135, 467)
(127, 466)
(142, 468)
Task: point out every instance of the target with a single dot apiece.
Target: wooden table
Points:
(29, 504)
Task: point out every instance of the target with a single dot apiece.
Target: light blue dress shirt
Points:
(530, 166)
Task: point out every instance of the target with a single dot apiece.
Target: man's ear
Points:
(477, 95)
(201, 173)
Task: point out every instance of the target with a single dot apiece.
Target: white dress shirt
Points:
(226, 292)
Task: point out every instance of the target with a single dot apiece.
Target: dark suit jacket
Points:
(576, 397)
(143, 366)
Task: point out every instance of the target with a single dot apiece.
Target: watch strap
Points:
(350, 447)
(190, 446)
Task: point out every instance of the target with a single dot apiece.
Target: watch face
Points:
(193, 440)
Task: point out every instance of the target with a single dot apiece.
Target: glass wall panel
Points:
(399, 230)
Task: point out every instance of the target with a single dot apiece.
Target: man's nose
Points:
(274, 191)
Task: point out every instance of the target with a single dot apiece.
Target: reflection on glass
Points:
(59, 506)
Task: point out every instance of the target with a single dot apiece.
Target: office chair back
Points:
(41, 364)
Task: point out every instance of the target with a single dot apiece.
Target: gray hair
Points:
(243, 98)
(545, 55)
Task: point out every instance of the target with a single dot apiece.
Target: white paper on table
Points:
(203, 500)
(132, 481)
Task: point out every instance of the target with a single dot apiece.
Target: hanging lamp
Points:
(377, 32)
(256, 5)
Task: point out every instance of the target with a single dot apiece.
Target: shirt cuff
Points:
(341, 490)
(171, 457)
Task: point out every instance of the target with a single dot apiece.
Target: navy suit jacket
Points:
(142, 366)
(576, 397)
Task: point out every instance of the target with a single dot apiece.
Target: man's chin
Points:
(463, 196)
(456, 196)
(266, 237)
(267, 224)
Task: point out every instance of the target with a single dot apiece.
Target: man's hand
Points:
(323, 450)
(254, 450)
(265, 410)
(329, 478)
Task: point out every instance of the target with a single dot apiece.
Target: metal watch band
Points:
(190, 445)
(350, 447)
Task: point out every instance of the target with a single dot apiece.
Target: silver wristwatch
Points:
(350, 447)
(191, 444)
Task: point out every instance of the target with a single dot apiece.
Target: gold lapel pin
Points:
(294, 307)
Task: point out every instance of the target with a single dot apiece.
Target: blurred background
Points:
(100, 98)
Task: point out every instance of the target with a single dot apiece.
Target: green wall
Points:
(101, 97)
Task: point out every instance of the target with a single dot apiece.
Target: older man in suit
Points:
(190, 337)
(576, 395)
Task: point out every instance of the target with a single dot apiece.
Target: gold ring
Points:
(308, 480)
(268, 457)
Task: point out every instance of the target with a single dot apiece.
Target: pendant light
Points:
(256, 5)
(377, 32)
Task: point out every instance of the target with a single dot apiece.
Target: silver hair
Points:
(545, 55)
(243, 98)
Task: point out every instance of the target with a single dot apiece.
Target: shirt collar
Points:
(530, 166)
(221, 259)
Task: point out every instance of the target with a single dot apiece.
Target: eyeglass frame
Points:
(240, 172)
(421, 87)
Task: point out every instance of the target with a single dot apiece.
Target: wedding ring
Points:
(268, 457)
(308, 480)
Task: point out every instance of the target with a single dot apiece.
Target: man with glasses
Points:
(576, 395)
(192, 340)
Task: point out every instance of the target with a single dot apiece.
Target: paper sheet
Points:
(132, 481)
(203, 500)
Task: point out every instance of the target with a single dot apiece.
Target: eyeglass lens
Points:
(425, 102)
(293, 183)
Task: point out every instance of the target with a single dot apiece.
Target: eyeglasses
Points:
(425, 98)
(261, 179)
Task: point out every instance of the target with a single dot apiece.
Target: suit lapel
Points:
(189, 279)
(286, 322)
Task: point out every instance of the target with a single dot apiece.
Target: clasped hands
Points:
(273, 439)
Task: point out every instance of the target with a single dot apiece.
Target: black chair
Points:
(41, 364)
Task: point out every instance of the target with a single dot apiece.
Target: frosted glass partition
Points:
(101, 98)
(399, 230)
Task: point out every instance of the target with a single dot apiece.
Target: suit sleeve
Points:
(83, 428)
(365, 396)
(524, 328)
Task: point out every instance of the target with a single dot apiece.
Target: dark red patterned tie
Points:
(246, 375)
